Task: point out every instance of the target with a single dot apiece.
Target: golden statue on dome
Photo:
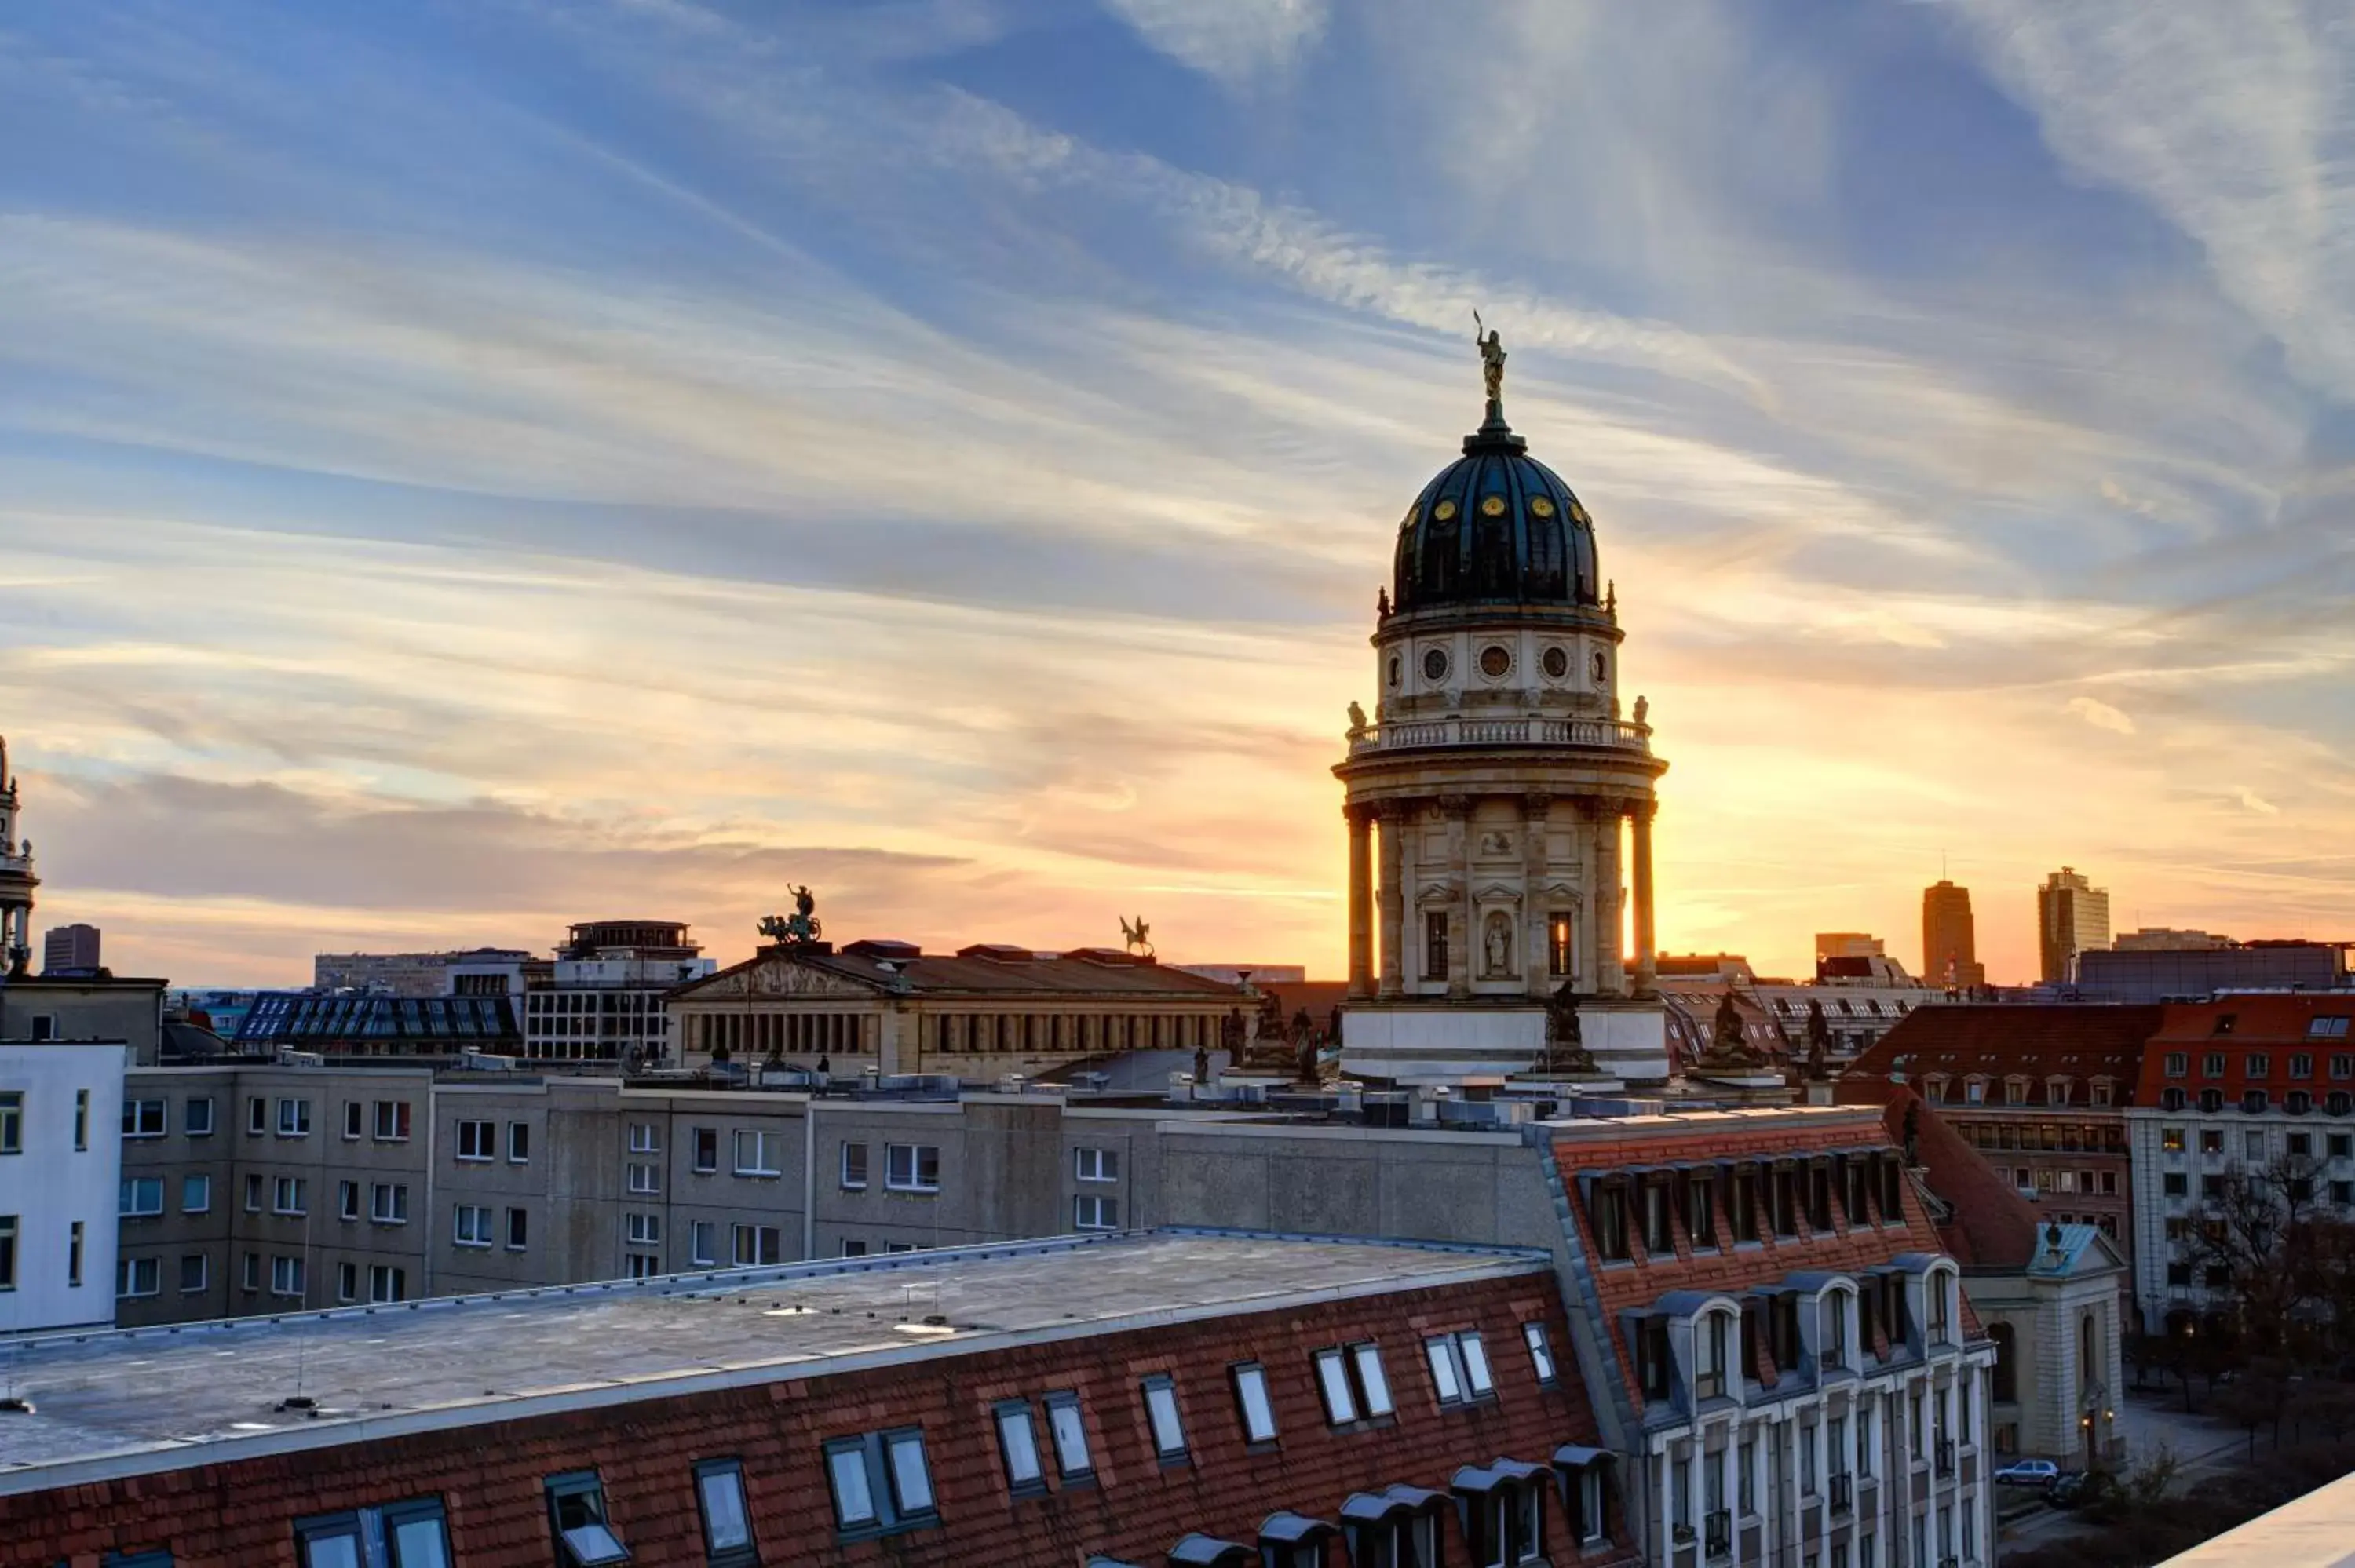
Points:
(1492, 358)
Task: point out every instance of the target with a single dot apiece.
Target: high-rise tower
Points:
(1949, 937)
(2072, 914)
(16, 879)
(1497, 786)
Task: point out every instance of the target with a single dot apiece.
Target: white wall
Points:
(54, 1183)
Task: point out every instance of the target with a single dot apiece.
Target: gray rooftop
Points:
(135, 1401)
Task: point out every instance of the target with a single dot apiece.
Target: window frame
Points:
(293, 1117)
(557, 1491)
(742, 1554)
(1542, 1357)
(916, 1181)
(1058, 1404)
(1018, 1414)
(1159, 1393)
(1095, 1212)
(760, 1166)
(134, 1120)
(1254, 1404)
(889, 1512)
(375, 1532)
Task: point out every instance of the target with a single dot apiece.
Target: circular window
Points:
(1492, 506)
(1541, 507)
(1434, 663)
(1444, 510)
(1495, 661)
(1394, 672)
(1556, 663)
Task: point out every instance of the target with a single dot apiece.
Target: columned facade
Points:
(1497, 773)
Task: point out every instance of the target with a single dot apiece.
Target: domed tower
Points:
(1499, 779)
(16, 880)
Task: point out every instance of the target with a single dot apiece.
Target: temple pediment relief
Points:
(1440, 891)
(777, 977)
(1561, 891)
(1497, 892)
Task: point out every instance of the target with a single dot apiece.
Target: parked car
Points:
(2077, 1489)
(2028, 1473)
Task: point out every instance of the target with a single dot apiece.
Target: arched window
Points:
(2007, 1364)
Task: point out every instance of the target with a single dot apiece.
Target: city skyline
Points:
(466, 474)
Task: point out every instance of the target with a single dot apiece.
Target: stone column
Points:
(1361, 902)
(1462, 927)
(1609, 976)
(1645, 954)
(1535, 909)
(1393, 896)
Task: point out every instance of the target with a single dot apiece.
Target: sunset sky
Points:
(469, 467)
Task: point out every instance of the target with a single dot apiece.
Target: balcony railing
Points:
(1418, 734)
(1718, 1532)
(1843, 1493)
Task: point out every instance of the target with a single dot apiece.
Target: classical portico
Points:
(1498, 805)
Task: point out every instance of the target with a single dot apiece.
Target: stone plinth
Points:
(1441, 1042)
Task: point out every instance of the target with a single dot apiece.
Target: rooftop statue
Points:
(1492, 358)
(1565, 1037)
(1728, 1051)
(1137, 938)
(801, 926)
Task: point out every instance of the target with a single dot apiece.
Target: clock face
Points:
(1434, 663)
(1496, 662)
(1555, 663)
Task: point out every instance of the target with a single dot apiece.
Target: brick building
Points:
(1149, 1399)
(1779, 1342)
(2244, 1082)
(2042, 1090)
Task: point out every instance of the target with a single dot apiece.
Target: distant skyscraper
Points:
(1949, 937)
(70, 947)
(2072, 914)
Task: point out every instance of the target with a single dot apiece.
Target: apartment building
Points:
(60, 1167)
(2246, 1082)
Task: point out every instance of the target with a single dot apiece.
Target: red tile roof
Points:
(2039, 1040)
(2278, 1026)
(1988, 1225)
(237, 1513)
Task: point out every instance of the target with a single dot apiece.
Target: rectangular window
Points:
(473, 1225)
(1333, 1384)
(253, 1185)
(1093, 1211)
(9, 1232)
(2171, 1139)
(646, 1138)
(707, 1150)
(643, 1230)
(392, 1121)
(880, 1483)
(2177, 1064)
(142, 1196)
(1742, 1206)
(1701, 1210)
(388, 1204)
(144, 1118)
(1067, 1428)
(138, 1276)
(293, 1119)
(1710, 1333)
(1459, 1367)
(851, 1248)
(519, 1142)
(854, 1499)
(1017, 1448)
(2212, 1140)
(519, 1229)
(758, 1245)
(196, 1194)
(703, 1242)
(1609, 1214)
(286, 1277)
(348, 1200)
(1161, 1415)
(912, 1168)
(477, 1139)
(758, 1153)
(196, 1117)
(289, 1195)
(1095, 1164)
(1251, 1399)
(726, 1520)
(81, 1120)
(195, 1270)
(1559, 950)
(854, 1166)
(644, 1178)
(1540, 1353)
(398, 1535)
(352, 1118)
(576, 1517)
(1434, 945)
(1659, 1231)
(386, 1283)
(2213, 1067)
(257, 1115)
(347, 1282)
(248, 1271)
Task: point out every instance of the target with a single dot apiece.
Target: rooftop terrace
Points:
(138, 1401)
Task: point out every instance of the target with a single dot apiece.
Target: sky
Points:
(467, 467)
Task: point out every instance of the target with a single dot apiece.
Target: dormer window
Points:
(1654, 1366)
(1659, 1229)
(1710, 1338)
(1975, 1091)
(2225, 1020)
(2056, 1090)
(2100, 1089)
(1940, 1289)
(2015, 1091)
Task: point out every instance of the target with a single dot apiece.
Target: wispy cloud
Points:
(1236, 41)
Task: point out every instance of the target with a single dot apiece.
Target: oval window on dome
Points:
(1444, 510)
(1555, 663)
(1495, 663)
(1541, 507)
(1492, 506)
(1434, 663)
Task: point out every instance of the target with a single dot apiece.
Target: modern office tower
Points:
(2072, 914)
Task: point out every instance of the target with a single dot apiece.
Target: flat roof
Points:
(130, 1402)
